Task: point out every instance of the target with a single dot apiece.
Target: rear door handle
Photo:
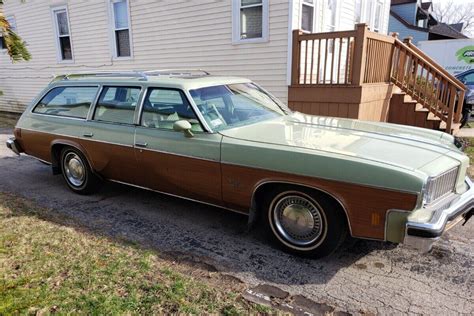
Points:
(142, 145)
(88, 135)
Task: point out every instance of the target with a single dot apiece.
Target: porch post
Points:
(295, 57)
(360, 51)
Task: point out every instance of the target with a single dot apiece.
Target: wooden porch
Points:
(365, 75)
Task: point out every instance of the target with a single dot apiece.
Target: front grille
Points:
(440, 186)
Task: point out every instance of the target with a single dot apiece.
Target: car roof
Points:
(464, 73)
(185, 82)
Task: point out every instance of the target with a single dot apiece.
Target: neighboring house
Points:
(413, 18)
(248, 38)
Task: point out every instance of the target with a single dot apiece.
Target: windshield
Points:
(233, 105)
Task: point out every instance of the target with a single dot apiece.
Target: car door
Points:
(171, 162)
(108, 136)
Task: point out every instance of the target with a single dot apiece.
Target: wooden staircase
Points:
(404, 110)
(351, 70)
(429, 96)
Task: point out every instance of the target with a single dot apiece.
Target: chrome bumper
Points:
(422, 235)
(13, 146)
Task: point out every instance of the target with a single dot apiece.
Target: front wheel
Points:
(304, 222)
(77, 172)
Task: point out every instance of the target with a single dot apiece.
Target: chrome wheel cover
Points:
(74, 169)
(298, 220)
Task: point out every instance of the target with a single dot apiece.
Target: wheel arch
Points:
(260, 188)
(56, 147)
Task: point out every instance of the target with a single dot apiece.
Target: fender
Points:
(55, 161)
(253, 211)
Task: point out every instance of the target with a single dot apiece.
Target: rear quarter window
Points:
(67, 101)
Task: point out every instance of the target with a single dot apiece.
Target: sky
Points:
(470, 32)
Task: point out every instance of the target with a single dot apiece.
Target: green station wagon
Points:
(307, 180)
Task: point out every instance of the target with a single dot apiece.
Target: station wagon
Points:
(307, 180)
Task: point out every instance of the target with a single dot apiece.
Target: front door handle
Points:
(88, 135)
(142, 145)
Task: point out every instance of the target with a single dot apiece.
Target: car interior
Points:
(163, 107)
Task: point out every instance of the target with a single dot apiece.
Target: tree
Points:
(452, 13)
(16, 47)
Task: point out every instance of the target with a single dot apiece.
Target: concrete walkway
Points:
(465, 132)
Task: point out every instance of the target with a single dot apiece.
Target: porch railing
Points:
(361, 57)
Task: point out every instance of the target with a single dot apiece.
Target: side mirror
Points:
(183, 126)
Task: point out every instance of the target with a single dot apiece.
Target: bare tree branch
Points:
(451, 13)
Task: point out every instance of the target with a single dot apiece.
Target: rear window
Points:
(67, 101)
(117, 104)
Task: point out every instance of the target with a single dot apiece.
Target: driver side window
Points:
(163, 107)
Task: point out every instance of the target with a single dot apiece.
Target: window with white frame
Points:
(378, 16)
(250, 20)
(330, 15)
(368, 14)
(373, 14)
(63, 35)
(12, 22)
(120, 23)
(307, 16)
(358, 11)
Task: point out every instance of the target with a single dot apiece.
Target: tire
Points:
(321, 226)
(77, 172)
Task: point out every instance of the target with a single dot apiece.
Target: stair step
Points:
(454, 126)
(407, 98)
(396, 90)
(420, 108)
(404, 97)
(433, 117)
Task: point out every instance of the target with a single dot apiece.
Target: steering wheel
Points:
(209, 108)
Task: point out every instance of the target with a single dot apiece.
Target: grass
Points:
(47, 265)
(7, 120)
(469, 150)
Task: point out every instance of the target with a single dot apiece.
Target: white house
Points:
(249, 38)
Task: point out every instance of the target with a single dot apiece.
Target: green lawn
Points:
(469, 150)
(47, 265)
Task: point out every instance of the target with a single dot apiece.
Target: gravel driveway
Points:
(362, 277)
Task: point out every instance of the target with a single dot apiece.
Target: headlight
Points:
(438, 187)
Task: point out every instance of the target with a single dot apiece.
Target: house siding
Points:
(177, 34)
(404, 32)
(406, 11)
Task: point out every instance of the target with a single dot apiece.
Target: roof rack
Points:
(133, 74)
(176, 72)
(142, 75)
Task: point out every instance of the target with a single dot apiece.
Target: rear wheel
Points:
(77, 172)
(304, 222)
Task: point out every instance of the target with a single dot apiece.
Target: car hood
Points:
(398, 145)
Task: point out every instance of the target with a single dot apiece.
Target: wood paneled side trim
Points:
(362, 203)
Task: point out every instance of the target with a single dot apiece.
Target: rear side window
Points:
(67, 101)
(117, 104)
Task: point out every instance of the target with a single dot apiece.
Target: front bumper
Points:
(422, 235)
(13, 145)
